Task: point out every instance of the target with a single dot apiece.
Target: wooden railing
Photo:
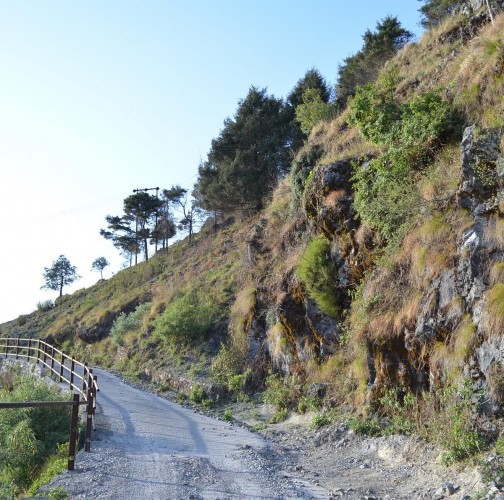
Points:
(67, 369)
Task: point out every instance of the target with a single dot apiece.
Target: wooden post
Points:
(17, 348)
(6, 347)
(84, 378)
(89, 411)
(52, 359)
(38, 350)
(72, 369)
(29, 348)
(74, 423)
(62, 364)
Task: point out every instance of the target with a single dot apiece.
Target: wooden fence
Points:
(77, 375)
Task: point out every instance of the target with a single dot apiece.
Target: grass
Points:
(494, 317)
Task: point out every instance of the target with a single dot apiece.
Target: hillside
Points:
(372, 285)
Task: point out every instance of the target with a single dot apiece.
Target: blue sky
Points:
(100, 97)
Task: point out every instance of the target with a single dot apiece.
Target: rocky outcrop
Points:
(329, 198)
(456, 298)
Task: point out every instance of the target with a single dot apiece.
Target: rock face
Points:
(329, 198)
(454, 302)
(451, 304)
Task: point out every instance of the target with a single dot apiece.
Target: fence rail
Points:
(67, 369)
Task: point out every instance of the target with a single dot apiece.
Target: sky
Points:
(100, 97)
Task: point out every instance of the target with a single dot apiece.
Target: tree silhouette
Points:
(61, 273)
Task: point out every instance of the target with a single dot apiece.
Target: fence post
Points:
(52, 359)
(7, 347)
(89, 411)
(38, 350)
(62, 364)
(17, 348)
(72, 368)
(29, 348)
(84, 378)
(74, 423)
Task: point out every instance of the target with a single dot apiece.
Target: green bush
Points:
(386, 196)
(279, 416)
(306, 403)
(128, 323)
(45, 305)
(398, 411)
(452, 423)
(28, 436)
(367, 426)
(277, 392)
(312, 111)
(318, 273)
(188, 317)
(303, 164)
(198, 395)
(320, 420)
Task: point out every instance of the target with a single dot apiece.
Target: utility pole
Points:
(144, 190)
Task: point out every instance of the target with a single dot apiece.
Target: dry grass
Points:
(339, 141)
(439, 183)
(497, 273)
(493, 319)
(448, 358)
(494, 233)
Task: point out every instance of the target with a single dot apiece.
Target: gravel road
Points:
(146, 447)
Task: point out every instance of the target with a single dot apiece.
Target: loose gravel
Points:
(146, 447)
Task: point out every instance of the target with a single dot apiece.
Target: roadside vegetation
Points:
(33, 441)
(306, 312)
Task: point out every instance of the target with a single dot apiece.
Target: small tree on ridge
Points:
(61, 273)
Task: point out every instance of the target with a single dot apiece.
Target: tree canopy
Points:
(315, 84)
(248, 157)
(60, 274)
(99, 265)
(435, 11)
(364, 66)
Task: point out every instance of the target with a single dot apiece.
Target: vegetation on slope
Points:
(317, 297)
(34, 441)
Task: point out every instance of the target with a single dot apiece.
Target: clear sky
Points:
(99, 97)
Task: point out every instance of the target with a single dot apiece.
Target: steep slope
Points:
(373, 281)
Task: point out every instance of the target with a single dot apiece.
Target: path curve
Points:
(146, 447)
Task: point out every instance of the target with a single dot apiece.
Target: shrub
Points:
(399, 410)
(312, 110)
(320, 420)
(453, 426)
(128, 323)
(45, 305)
(386, 196)
(188, 317)
(279, 416)
(302, 165)
(198, 395)
(277, 392)
(367, 426)
(29, 436)
(318, 273)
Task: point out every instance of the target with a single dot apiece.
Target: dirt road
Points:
(146, 447)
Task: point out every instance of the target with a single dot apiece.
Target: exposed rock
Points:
(96, 331)
(329, 198)
(481, 169)
(325, 328)
(466, 31)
